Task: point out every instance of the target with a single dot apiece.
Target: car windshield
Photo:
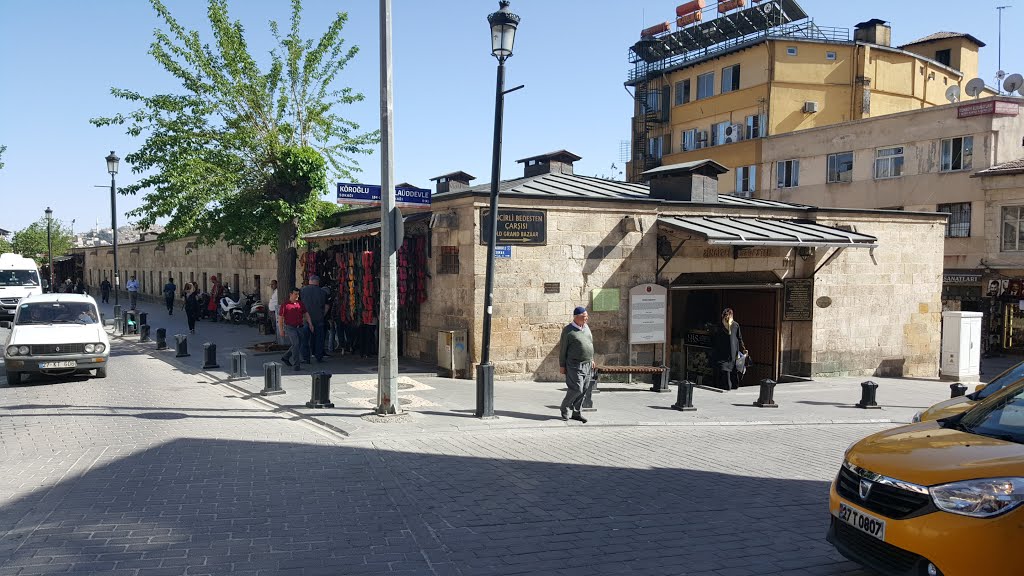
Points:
(56, 313)
(1008, 377)
(1001, 416)
(19, 278)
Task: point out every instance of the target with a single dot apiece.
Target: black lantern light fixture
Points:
(503, 34)
(112, 162)
(49, 248)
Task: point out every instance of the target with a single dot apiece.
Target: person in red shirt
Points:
(290, 318)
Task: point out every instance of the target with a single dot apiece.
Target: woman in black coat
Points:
(193, 307)
(726, 343)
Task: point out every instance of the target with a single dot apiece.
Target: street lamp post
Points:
(503, 33)
(49, 247)
(112, 161)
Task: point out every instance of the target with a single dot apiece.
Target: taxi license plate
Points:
(864, 522)
(66, 364)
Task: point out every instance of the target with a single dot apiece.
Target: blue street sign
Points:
(502, 251)
(349, 193)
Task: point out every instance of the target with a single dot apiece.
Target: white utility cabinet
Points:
(961, 346)
(452, 358)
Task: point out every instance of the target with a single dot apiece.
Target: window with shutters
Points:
(746, 181)
(755, 126)
(688, 141)
(682, 90)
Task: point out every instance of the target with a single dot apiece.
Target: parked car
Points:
(954, 406)
(58, 334)
(19, 277)
(939, 498)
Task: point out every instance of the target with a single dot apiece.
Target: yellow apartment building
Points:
(717, 87)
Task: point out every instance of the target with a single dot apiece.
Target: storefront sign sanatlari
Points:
(529, 227)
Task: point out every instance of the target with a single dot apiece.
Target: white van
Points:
(19, 277)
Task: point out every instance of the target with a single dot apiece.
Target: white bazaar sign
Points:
(648, 314)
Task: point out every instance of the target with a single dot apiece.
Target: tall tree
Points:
(243, 154)
(31, 240)
(2, 150)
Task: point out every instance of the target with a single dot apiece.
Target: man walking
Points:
(290, 322)
(316, 305)
(133, 291)
(169, 290)
(576, 361)
(105, 290)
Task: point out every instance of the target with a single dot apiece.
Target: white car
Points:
(58, 334)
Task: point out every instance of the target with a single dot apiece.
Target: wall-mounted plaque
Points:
(552, 288)
(798, 298)
(523, 227)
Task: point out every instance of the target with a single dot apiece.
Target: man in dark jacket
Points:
(169, 290)
(726, 343)
(576, 361)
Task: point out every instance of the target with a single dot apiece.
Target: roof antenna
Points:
(1000, 74)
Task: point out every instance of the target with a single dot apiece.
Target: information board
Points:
(523, 227)
(648, 314)
(605, 300)
(798, 299)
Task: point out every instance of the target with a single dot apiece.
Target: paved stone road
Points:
(153, 472)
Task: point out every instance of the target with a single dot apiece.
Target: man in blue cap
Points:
(576, 361)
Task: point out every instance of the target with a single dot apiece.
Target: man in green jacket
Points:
(576, 361)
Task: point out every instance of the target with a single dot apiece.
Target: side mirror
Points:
(979, 387)
(5, 324)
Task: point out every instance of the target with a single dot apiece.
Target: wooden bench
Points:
(660, 384)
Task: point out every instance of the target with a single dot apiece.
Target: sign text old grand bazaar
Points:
(523, 227)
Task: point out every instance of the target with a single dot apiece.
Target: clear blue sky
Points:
(59, 59)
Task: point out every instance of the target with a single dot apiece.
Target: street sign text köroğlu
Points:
(349, 193)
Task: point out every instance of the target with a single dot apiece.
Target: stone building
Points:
(818, 291)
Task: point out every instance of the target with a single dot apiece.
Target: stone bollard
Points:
(144, 333)
(161, 338)
(210, 356)
(956, 390)
(271, 379)
(238, 371)
(867, 395)
(766, 398)
(660, 381)
(321, 396)
(143, 318)
(181, 345)
(684, 396)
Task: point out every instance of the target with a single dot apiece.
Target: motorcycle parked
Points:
(230, 310)
(255, 310)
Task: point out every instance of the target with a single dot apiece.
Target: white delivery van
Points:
(19, 277)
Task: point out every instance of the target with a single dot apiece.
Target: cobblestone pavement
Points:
(152, 471)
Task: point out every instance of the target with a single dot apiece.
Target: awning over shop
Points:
(357, 229)
(761, 232)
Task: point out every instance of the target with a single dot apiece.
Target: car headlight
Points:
(916, 418)
(23, 350)
(100, 348)
(89, 348)
(979, 498)
(12, 350)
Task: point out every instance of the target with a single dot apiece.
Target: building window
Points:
(790, 50)
(449, 263)
(889, 162)
(730, 78)
(789, 173)
(746, 181)
(756, 126)
(652, 104)
(943, 56)
(1013, 228)
(718, 132)
(658, 146)
(705, 85)
(830, 55)
(957, 154)
(959, 223)
(682, 92)
(840, 167)
(689, 140)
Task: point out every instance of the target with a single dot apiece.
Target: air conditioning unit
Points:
(733, 133)
(810, 107)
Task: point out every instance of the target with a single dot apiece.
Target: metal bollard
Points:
(210, 356)
(867, 395)
(124, 323)
(161, 338)
(684, 396)
(271, 379)
(766, 398)
(238, 366)
(143, 318)
(181, 345)
(660, 381)
(321, 396)
(117, 318)
(144, 333)
(956, 390)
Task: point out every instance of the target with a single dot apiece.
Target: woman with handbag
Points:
(726, 344)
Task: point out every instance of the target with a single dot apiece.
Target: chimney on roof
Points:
(559, 162)
(452, 182)
(873, 31)
(695, 181)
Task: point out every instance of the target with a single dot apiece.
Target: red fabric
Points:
(292, 313)
(215, 295)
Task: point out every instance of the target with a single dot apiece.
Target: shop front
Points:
(1004, 312)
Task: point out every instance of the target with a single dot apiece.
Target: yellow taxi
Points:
(939, 498)
(954, 406)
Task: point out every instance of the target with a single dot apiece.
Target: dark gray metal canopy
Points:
(761, 232)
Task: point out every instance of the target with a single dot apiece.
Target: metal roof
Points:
(687, 167)
(944, 36)
(762, 232)
(358, 228)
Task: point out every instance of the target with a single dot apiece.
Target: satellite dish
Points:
(974, 87)
(1000, 74)
(953, 93)
(1013, 83)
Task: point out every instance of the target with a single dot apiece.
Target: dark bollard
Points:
(766, 398)
(238, 371)
(660, 381)
(210, 356)
(117, 318)
(321, 397)
(124, 323)
(957, 390)
(684, 396)
(144, 333)
(161, 338)
(143, 318)
(271, 379)
(867, 395)
(181, 345)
